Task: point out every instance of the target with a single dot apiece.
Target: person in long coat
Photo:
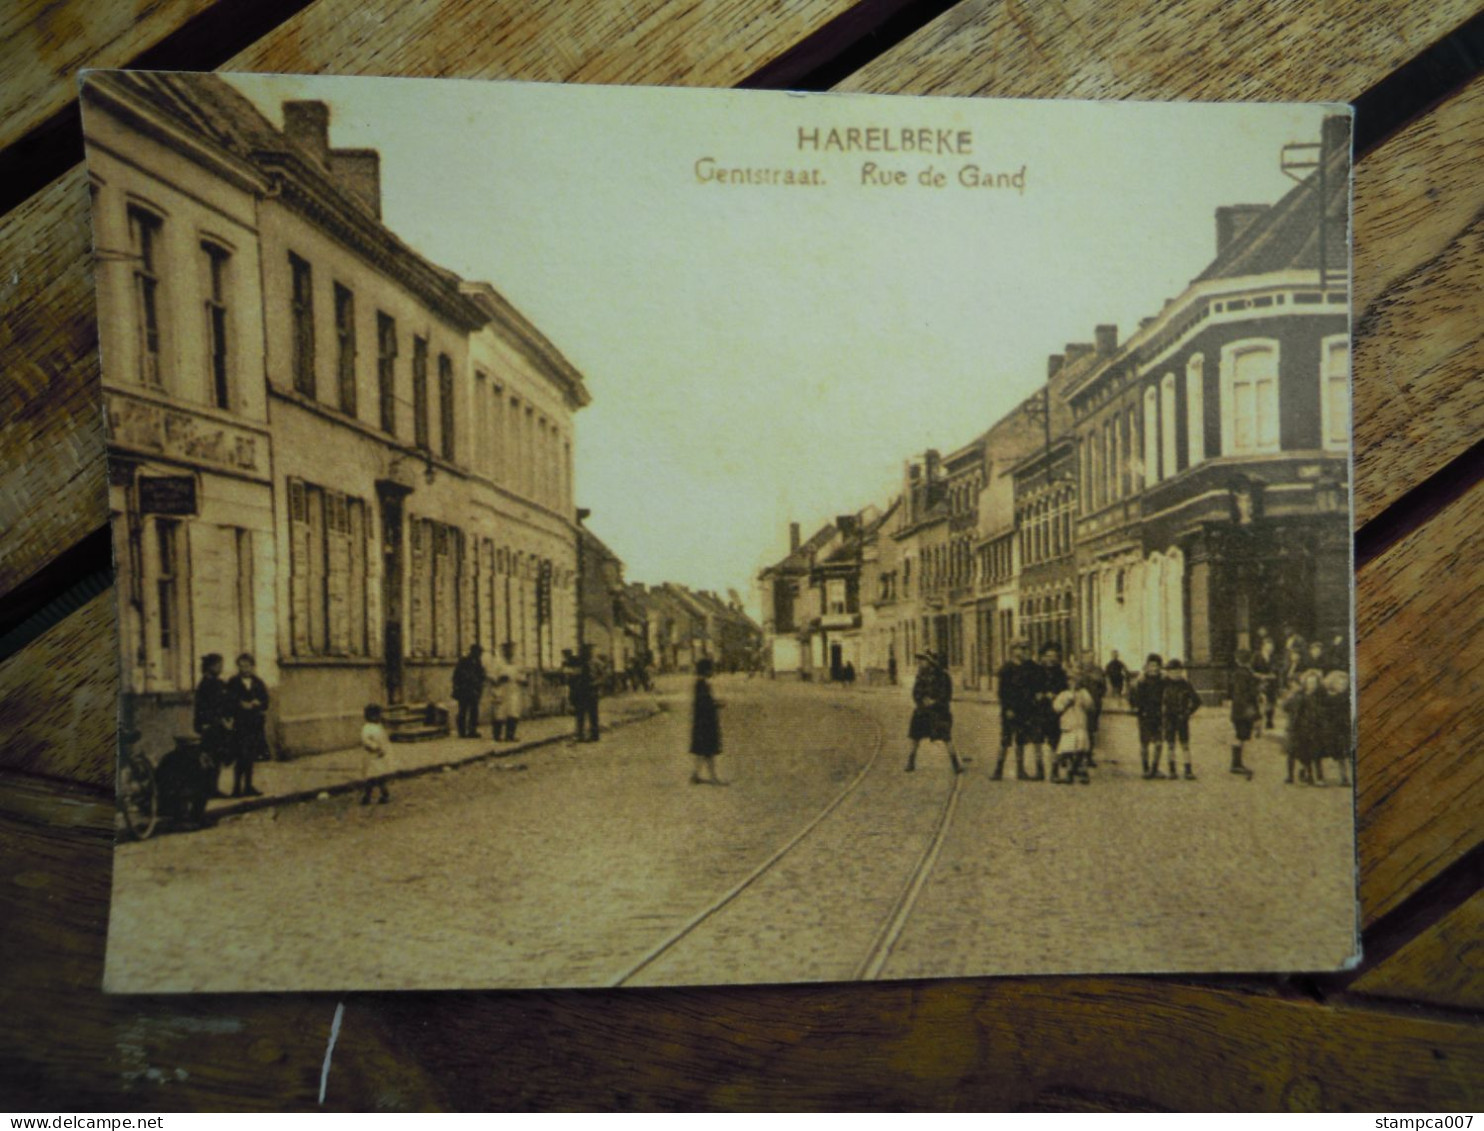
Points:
(1307, 710)
(932, 714)
(1246, 696)
(1146, 700)
(212, 721)
(468, 688)
(705, 728)
(248, 699)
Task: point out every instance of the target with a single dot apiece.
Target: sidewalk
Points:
(340, 771)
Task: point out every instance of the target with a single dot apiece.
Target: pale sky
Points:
(760, 354)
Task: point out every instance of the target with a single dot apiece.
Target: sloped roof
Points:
(802, 558)
(1286, 236)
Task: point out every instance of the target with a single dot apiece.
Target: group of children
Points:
(1317, 705)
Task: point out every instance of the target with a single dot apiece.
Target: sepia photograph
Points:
(593, 536)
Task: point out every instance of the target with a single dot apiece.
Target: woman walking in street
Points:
(705, 728)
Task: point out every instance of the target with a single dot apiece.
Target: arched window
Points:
(1195, 410)
(1168, 456)
(1334, 376)
(1249, 397)
(1151, 435)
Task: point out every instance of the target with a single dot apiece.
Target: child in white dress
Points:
(1075, 745)
(376, 749)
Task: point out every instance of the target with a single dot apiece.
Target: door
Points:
(390, 497)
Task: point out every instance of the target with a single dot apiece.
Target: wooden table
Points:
(1400, 1033)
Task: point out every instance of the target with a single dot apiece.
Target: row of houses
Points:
(664, 628)
(1176, 491)
(324, 449)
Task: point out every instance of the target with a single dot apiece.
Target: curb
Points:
(252, 804)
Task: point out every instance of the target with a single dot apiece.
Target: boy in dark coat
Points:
(1307, 712)
(932, 717)
(1017, 681)
(1052, 681)
(1146, 699)
(248, 700)
(1246, 694)
(1337, 732)
(1179, 702)
(705, 728)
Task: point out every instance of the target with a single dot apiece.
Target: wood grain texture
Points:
(44, 44)
(1200, 49)
(59, 699)
(1039, 1044)
(52, 488)
(1443, 966)
(51, 454)
(1419, 274)
(1420, 623)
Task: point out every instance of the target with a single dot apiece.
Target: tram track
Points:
(890, 927)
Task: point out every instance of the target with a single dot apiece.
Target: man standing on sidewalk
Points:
(468, 688)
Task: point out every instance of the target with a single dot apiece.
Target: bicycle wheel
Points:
(138, 799)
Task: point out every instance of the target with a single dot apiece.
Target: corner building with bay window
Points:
(1214, 446)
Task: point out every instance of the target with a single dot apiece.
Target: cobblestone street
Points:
(574, 865)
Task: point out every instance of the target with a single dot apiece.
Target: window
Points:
(1249, 397)
(1135, 461)
(328, 572)
(481, 443)
(835, 595)
(167, 593)
(1151, 435)
(386, 371)
(1195, 410)
(446, 405)
(216, 259)
(420, 434)
(1169, 460)
(345, 348)
(144, 240)
(303, 325)
(1335, 389)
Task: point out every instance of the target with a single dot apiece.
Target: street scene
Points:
(465, 877)
(522, 587)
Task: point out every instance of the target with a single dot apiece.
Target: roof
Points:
(209, 110)
(1286, 236)
(801, 559)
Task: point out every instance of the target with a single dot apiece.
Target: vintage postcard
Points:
(582, 536)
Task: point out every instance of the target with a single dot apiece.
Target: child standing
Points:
(1306, 716)
(1337, 733)
(1146, 698)
(705, 728)
(1072, 749)
(1246, 693)
(1180, 701)
(376, 748)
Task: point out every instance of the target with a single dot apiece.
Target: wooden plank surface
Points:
(44, 44)
(1443, 966)
(1420, 621)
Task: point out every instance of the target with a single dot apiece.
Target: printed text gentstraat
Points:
(880, 139)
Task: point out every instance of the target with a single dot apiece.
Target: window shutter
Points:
(298, 568)
(337, 574)
(357, 582)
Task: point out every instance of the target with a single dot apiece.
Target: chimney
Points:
(1234, 219)
(1076, 351)
(358, 171)
(1107, 339)
(931, 460)
(308, 124)
(793, 537)
(1053, 365)
(846, 524)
